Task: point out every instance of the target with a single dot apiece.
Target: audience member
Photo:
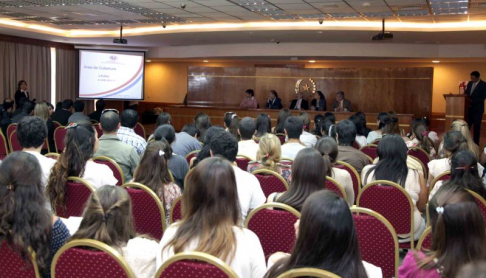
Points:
(19, 105)
(329, 116)
(420, 138)
(319, 102)
(249, 101)
(461, 126)
(360, 132)
(431, 134)
(299, 103)
(328, 148)
(212, 221)
(328, 129)
(293, 129)
(62, 115)
(318, 120)
(185, 141)
(282, 117)
(231, 124)
(346, 135)
(41, 110)
(96, 115)
(250, 194)
(247, 146)
(6, 114)
(341, 104)
(24, 221)
(382, 120)
(108, 218)
(273, 101)
(263, 125)
(203, 123)
(326, 239)
(362, 118)
(27, 110)
(473, 270)
(206, 150)
(393, 127)
(78, 114)
(307, 138)
(126, 132)
(58, 106)
(164, 118)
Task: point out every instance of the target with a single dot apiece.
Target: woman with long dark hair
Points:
(231, 124)
(360, 131)
(203, 123)
(307, 138)
(318, 119)
(326, 239)
(263, 125)
(319, 102)
(282, 117)
(24, 220)
(362, 118)
(382, 120)
(211, 221)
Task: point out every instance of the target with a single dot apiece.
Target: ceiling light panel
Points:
(344, 15)
(412, 13)
(379, 14)
(445, 7)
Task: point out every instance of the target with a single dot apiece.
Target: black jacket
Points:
(61, 116)
(303, 106)
(275, 104)
(322, 104)
(18, 96)
(477, 96)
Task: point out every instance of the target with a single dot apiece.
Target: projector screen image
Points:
(111, 74)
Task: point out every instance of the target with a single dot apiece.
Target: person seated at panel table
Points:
(273, 101)
(319, 103)
(249, 101)
(341, 104)
(299, 103)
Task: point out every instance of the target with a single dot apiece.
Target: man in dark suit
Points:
(476, 90)
(299, 103)
(62, 115)
(96, 115)
(273, 102)
(341, 104)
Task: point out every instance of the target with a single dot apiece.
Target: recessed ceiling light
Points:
(435, 61)
(148, 61)
(205, 61)
(312, 61)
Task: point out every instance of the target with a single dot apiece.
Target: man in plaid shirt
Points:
(127, 135)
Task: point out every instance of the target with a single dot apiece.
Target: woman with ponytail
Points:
(308, 176)
(231, 124)
(328, 148)
(420, 138)
(269, 155)
(108, 218)
(382, 121)
(328, 128)
(463, 128)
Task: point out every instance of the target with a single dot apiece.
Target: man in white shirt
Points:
(299, 103)
(247, 145)
(250, 194)
(294, 127)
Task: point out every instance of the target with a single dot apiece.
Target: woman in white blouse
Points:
(326, 239)
(212, 222)
(392, 166)
(328, 148)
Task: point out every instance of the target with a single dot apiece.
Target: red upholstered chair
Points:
(356, 145)
(354, 176)
(273, 223)
(194, 264)
(13, 265)
(140, 130)
(270, 181)
(56, 124)
(77, 195)
(421, 155)
(242, 162)
(89, 258)
(148, 211)
(176, 210)
(281, 137)
(191, 155)
(442, 177)
(425, 241)
(52, 155)
(392, 202)
(308, 272)
(481, 203)
(334, 186)
(376, 142)
(98, 130)
(370, 150)
(286, 161)
(14, 142)
(11, 128)
(115, 168)
(59, 135)
(3, 147)
(377, 239)
(46, 146)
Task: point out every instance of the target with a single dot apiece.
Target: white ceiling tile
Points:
(199, 9)
(215, 3)
(234, 8)
(313, 11)
(153, 5)
(406, 2)
(285, 1)
(302, 6)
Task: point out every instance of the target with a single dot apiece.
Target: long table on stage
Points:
(182, 115)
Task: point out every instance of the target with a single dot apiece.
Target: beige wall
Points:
(167, 81)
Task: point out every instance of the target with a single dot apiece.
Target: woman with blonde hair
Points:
(269, 156)
(41, 110)
(460, 125)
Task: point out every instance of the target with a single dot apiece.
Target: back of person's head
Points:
(31, 132)
(203, 122)
(465, 174)
(41, 110)
(8, 103)
(383, 119)
(392, 127)
(293, 127)
(24, 221)
(107, 217)
(67, 104)
(318, 119)
(250, 92)
(306, 119)
(454, 141)
(458, 235)
(247, 128)
(422, 135)
(212, 132)
(328, 148)
(308, 176)
(360, 129)
(327, 239)
(163, 119)
(476, 74)
(269, 151)
(129, 118)
(231, 123)
(80, 142)
(59, 105)
(415, 122)
(282, 117)
(362, 118)
(273, 92)
(190, 129)
(100, 105)
(109, 122)
(346, 133)
(329, 116)
(473, 270)
(210, 210)
(153, 169)
(28, 107)
(328, 129)
(263, 125)
(224, 145)
(166, 132)
(462, 126)
(78, 106)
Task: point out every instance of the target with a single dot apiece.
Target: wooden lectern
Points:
(457, 106)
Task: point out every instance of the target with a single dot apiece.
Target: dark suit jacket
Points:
(303, 106)
(18, 96)
(322, 104)
(346, 104)
(275, 104)
(477, 96)
(96, 115)
(61, 116)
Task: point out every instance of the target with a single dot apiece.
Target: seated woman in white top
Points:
(392, 166)
(326, 239)
(360, 130)
(108, 218)
(328, 148)
(212, 222)
(307, 138)
(81, 143)
(383, 120)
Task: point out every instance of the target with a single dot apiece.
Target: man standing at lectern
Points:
(476, 90)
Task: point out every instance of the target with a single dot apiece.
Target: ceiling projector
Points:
(383, 35)
(120, 40)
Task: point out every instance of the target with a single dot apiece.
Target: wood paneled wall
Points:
(404, 90)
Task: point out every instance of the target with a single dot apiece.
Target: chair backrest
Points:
(198, 264)
(59, 135)
(421, 155)
(442, 177)
(147, 209)
(273, 223)
(46, 146)
(98, 130)
(481, 203)
(242, 162)
(56, 124)
(3, 147)
(13, 265)
(52, 155)
(334, 186)
(376, 142)
(11, 128)
(370, 150)
(77, 195)
(378, 242)
(140, 130)
(270, 181)
(356, 145)
(425, 241)
(392, 202)
(286, 161)
(281, 137)
(115, 168)
(89, 258)
(176, 210)
(191, 155)
(308, 272)
(355, 178)
(14, 142)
